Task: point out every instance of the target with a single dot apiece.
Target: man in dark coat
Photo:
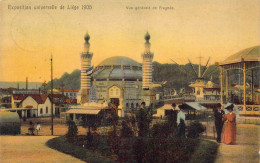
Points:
(172, 118)
(218, 113)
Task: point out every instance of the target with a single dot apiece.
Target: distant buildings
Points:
(69, 93)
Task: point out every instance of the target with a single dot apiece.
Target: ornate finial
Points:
(87, 37)
(211, 78)
(147, 37)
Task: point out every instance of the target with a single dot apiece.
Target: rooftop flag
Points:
(90, 70)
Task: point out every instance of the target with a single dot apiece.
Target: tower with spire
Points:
(147, 57)
(85, 81)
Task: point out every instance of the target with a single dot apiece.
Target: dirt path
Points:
(247, 148)
(30, 149)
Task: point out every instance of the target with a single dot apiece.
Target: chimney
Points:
(26, 83)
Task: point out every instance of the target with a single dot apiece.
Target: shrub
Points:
(195, 129)
(160, 130)
(144, 118)
(126, 130)
(72, 131)
(139, 149)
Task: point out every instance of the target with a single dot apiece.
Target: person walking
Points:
(38, 127)
(31, 128)
(218, 114)
(229, 135)
(172, 118)
(181, 122)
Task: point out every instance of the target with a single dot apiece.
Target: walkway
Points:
(247, 149)
(30, 149)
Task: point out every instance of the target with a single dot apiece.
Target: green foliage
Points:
(144, 118)
(195, 129)
(177, 77)
(103, 146)
(114, 142)
(72, 131)
(139, 149)
(160, 130)
(126, 130)
(60, 144)
(70, 81)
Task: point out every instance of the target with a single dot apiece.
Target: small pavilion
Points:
(247, 61)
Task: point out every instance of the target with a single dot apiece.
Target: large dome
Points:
(118, 68)
(250, 54)
(118, 61)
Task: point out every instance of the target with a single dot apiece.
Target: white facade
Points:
(38, 109)
(147, 63)
(85, 80)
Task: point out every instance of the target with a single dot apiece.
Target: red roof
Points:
(19, 96)
(28, 106)
(39, 98)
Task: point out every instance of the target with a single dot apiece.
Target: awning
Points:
(83, 111)
(194, 105)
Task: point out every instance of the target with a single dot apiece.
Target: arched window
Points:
(137, 105)
(117, 91)
(111, 91)
(47, 110)
(127, 105)
(132, 105)
(41, 111)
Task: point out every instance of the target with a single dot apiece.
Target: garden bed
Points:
(150, 149)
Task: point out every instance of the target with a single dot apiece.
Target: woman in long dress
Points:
(229, 135)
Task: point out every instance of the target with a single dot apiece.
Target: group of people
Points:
(221, 119)
(228, 121)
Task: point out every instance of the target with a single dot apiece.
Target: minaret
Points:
(86, 58)
(147, 63)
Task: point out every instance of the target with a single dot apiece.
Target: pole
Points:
(252, 87)
(245, 85)
(51, 97)
(227, 84)
(221, 85)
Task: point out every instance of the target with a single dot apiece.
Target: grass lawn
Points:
(61, 144)
(204, 151)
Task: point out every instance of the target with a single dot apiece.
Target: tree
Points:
(72, 131)
(126, 130)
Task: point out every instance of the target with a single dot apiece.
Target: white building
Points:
(69, 93)
(36, 105)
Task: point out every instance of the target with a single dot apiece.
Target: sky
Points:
(191, 28)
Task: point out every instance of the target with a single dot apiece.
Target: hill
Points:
(177, 76)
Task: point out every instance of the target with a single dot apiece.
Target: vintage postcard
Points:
(130, 81)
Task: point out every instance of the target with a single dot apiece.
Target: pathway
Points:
(31, 149)
(247, 149)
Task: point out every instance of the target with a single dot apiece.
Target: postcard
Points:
(129, 81)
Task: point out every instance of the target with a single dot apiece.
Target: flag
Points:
(90, 70)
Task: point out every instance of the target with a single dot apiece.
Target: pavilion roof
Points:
(251, 54)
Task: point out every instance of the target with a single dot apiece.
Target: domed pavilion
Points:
(247, 63)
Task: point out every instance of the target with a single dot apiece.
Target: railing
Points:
(251, 110)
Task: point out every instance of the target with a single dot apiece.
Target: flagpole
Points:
(51, 97)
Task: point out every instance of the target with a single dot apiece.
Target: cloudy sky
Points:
(190, 28)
